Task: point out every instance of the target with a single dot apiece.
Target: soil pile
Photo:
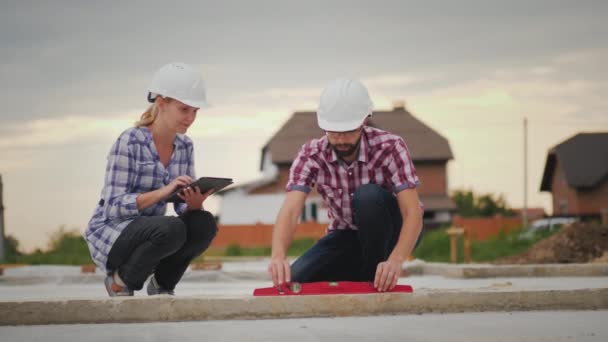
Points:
(575, 243)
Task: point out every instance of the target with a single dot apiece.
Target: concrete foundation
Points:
(493, 271)
(166, 308)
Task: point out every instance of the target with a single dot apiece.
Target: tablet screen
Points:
(204, 184)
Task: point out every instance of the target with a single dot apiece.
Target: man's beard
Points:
(352, 148)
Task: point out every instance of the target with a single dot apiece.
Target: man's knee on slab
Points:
(368, 194)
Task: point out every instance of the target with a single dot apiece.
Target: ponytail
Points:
(148, 116)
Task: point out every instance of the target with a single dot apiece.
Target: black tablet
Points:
(204, 184)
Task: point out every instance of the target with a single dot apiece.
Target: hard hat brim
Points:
(340, 126)
(196, 104)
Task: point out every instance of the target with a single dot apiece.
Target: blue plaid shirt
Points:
(133, 168)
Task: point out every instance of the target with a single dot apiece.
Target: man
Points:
(368, 181)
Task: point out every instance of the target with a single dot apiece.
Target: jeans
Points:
(353, 255)
(162, 245)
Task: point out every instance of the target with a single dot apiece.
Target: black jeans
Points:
(163, 245)
(353, 255)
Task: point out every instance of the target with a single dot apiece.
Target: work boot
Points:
(115, 290)
(155, 289)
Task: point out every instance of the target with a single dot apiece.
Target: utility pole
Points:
(524, 213)
(2, 251)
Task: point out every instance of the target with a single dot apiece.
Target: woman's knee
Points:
(172, 231)
(202, 226)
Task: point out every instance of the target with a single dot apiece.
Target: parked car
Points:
(549, 224)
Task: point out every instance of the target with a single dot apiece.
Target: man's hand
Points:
(279, 270)
(387, 275)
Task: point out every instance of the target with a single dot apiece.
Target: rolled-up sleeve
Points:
(119, 201)
(401, 168)
(181, 208)
(303, 172)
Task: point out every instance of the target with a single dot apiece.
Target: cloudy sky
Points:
(73, 76)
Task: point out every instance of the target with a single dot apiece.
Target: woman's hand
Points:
(193, 197)
(178, 182)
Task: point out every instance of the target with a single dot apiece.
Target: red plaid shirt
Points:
(383, 159)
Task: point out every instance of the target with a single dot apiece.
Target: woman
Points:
(128, 236)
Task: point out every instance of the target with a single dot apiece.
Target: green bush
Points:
(66, 247)
(11, 249)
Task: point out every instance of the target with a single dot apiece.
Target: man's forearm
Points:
(283, 232)
(410, 230)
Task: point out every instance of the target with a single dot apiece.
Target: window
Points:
(313, 211)
(309, 212)
(563, 206)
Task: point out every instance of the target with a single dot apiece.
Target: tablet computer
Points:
(204, 184)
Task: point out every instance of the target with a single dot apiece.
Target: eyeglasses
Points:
(353, 132)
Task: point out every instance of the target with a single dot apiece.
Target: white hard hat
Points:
(181, 82)
(344, 105)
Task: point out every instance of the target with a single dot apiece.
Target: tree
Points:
(469, 205)
(11, 248)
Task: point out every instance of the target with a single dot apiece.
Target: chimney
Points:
(399, 105)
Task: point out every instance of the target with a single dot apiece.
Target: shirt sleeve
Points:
(303, 172)
(181, 208)
(119, 201)
(401, 168)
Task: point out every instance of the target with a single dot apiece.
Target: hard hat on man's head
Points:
(344, 105)
(181, 82)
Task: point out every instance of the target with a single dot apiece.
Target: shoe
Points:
(155, 289)
(115, 290)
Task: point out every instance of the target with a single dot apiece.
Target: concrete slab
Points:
(491, 271)
(212, 283)
(167, 308)
(61, 294)
(255, 269)
(581, 326)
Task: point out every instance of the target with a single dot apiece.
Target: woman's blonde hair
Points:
(150, 114)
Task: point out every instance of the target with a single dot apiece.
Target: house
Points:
(259, 201)
(576, 174)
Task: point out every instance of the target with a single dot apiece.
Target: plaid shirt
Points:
(133, 168)
(383, 159)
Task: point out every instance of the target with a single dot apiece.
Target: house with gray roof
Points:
(259, 201)
(576, 174)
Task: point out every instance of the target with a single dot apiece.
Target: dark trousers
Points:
(162, 245)
(353, 255)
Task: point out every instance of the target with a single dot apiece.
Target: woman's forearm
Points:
(148, 199)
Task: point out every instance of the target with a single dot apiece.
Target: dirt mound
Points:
(602, 260)
(576, 243)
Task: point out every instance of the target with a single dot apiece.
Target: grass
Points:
(298, 247)
(435, 246)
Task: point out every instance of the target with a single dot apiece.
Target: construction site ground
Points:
(468, 301)
(555, 291)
